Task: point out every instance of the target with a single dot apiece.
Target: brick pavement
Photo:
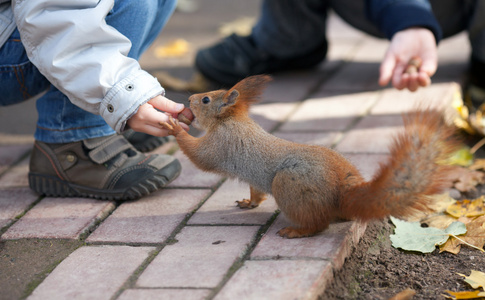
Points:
(189, 241)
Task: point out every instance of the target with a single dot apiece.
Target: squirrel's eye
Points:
(206, 100)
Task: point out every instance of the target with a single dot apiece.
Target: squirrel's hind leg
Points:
(302, 203)
(255, 199)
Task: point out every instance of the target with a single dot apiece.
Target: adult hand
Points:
(149, 115)
(405, 45)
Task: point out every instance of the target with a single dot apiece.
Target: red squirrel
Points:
(314, 185)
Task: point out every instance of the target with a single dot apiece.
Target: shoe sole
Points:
(50, 186)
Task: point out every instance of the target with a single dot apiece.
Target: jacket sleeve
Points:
(86, 59)
(391, 16)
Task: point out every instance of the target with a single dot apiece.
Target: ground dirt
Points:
(25, 263)
(376, 270)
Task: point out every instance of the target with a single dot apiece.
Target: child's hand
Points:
(149, 116)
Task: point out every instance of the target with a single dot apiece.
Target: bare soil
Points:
(376, 270)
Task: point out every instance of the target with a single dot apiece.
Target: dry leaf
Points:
(474, 237)
(440, 221)
(475, 280)
(242, 27)
(467, 208)
(176, 48)
(466, 180)
(478, 164)
(438, 204)
(407, 294)
(465, 295)
(472, 122)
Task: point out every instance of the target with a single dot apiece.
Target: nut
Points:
(413, 65)
(186, 116)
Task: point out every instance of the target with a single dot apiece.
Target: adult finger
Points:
(386, 69)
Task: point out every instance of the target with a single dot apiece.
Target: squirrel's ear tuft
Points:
(251, 87)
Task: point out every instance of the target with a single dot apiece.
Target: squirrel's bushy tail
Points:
(413, 172)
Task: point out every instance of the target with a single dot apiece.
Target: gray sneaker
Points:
(107, 168)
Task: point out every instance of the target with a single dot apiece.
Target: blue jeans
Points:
(60, 121)
(289, 28)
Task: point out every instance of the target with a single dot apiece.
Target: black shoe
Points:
(106, 168)
(238, 57)
(144, 142)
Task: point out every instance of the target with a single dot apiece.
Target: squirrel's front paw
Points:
(172, 125)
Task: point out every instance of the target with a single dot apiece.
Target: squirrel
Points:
(314, 185)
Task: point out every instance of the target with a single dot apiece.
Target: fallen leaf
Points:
(441, 221)
(465, 295)
(462, 157)
(412, 237)
(478, 164)
(467, 208)
(241, 26)
(466, 180)
(438, 204)
(473, 122)
(407, 294)
(475, 280)
(474, 237)
(175, 48)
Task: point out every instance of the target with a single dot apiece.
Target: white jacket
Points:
(73, 47)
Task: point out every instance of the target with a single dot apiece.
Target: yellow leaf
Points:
(452, 245)
(176, 48)
(478, 164)
(467, 208)
(465, 295)
(462, 157)
(474, 237)
(242, 26)
(475, 280)
(438, 204)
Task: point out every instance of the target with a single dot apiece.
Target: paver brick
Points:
(93, 272)
(367, 164)
(355, 77)
(200, 257)
(329, 112)
(269, 115)
(62, 218)
(333, 244)
(9, 154)
(373, 134)
(395, 102)
(164, 294)
(13, 202)
(193, 177)
(151, 219)
(17, 175)
(279, 279)
(221, 208)
(291, 87)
